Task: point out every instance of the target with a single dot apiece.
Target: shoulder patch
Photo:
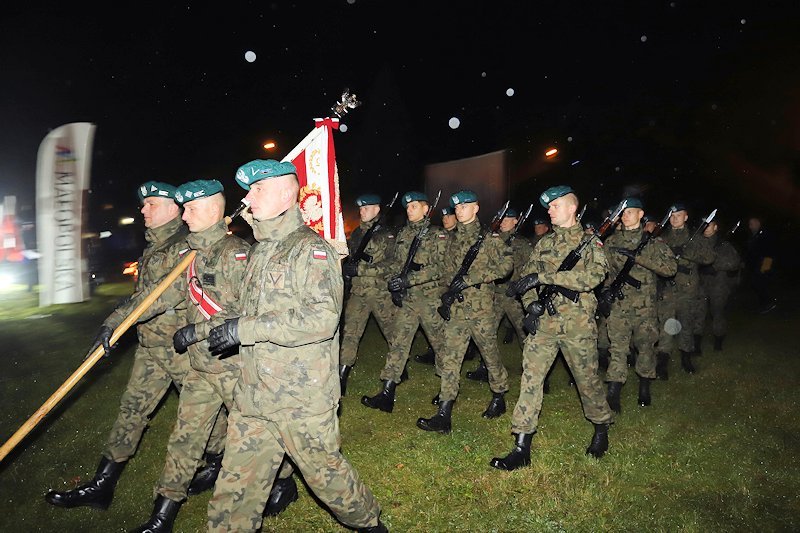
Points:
(320, 254)
(240, 256)
(442, 235)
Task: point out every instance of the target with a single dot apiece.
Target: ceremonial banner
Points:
(62, 179)
(315, 160)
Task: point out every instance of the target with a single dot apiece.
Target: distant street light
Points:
(126, 221)
(269, 145)
(551, 152)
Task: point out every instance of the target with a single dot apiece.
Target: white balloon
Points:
(509, 92)
(250, 56)
(343, 127)
(454, 123)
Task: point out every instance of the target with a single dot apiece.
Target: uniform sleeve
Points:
(728, 259)
(169, 299)
(590, 271)
(498, 264)
(382, 250)
(699, 251)
(658, 257)
(435, 245)
(314, 314)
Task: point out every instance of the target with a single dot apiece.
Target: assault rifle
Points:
(409, 265)
(454, 293)
(547, 293)
(520, 222)
(701, 228)
(614, 290)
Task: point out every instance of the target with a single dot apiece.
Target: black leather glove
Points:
(458, 284)
(183, 338)
(224, 337)
(624, 251)
(350, 269)
(398, 283)
(103, 338)
(523, 285)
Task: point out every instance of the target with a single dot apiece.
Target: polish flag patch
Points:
(240, 256)
(320, 254)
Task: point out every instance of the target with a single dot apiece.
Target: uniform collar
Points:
(203, 240)
(164, 231)
(275, 229)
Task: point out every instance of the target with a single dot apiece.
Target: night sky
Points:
(698, 101)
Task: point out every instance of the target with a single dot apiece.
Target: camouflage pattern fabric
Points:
(285, 400)
(507, 305)
(683, 290)
(572, 329)
(635, 316)
(717, 281)
(474, 317)
(422, 299)
(368, 294)
(603, 341)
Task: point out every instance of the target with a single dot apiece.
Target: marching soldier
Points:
(422, 296)
(681, 292)
(472, 318)
(368, 293)
(718, 280)
(286, 397)
(572, 329)
(541, 227)
(634, 317)
(156, 366)
(521, 250)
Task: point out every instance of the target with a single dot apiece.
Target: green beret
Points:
(448, 211)
(197, 189)
(511, 213)
(368, 199)
(590, 224)
(539, 221)
(678, 206)
(156, 188)
(552, 193)
(463, 197)
(260, 169)
(413, 196)
(634, 202)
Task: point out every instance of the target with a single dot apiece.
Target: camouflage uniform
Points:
(717, 280)
(285, 400)
(368, 293)
(474, 317)
(681, 292)
(572, 329)
(156, 365)
(507, 305)
(635, 315)
(219, 268)
(422, 298)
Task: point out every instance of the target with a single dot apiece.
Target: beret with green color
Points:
(553, 193)
(261, 169)
(155, 188)
(413, 196)
(463, 197)
(634, 202)
(679, 206)
(448, 211)
(368, 199)
(197, 189)
(511, 213)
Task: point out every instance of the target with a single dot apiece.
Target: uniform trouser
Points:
(154, 370)
(482, 329)
(538, 354)
(603, 342)
(639, 324)
(255, 449)
(716, 301)
(356, 315)
(506, 305)
(415, 312)
(665, 309)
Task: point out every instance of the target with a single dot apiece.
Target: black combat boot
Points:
(284, 492)
(98, 493)
(497, 405)
(439, 422)
(644, 392)
(164, 513)
(479, 374)
(613, 396)
(718, 342)
(426, 358)
(344, 373)
(599, 444)
(686, 362)
(380, 528)
(662, 366)
(435, 400)
(603, 358)
(520, 456)
(404, 375)
(509, 336)
(698, 344)
(206, 476)
(384, 400)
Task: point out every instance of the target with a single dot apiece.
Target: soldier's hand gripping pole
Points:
(98, 352)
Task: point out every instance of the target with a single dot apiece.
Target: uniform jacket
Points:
(426, 281)
(722, 274)
(696, 252)
(372, 277)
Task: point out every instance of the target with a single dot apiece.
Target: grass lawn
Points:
(717, 451)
